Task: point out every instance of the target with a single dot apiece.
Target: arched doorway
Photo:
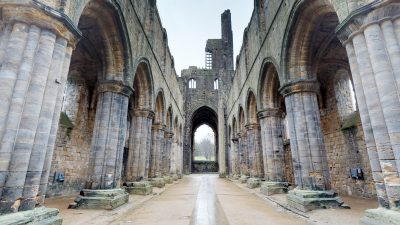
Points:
(208, 116)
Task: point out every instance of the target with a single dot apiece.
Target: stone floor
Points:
(206, 199)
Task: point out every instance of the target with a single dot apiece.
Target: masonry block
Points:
(270, 188)
(100, 199)
(138, 188)
(307, 200)
(41, 215)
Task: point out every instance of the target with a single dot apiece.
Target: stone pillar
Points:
(105, 162)
(235, 158)
(273, 151)
(157, 147)
(166, 162)
(35, 52)
(139, 145)
(308, 148)
(174, 154)
(243, 157)
(371, 38)
(254, 151)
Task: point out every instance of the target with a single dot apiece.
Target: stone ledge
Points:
(253, 183)
(243, 179)
(380, 216)
(100, 199)
(138, 188)
(270, 188)
(307, 200)
(41, 215)
(157, 182)
(168, 179)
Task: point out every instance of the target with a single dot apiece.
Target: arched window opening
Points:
(192, 83)
(204, 144)
(216, 84)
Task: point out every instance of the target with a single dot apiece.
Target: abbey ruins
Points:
(91, 105)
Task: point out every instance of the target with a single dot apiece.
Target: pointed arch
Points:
(159, 108)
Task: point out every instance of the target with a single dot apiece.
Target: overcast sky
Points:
(190, 23)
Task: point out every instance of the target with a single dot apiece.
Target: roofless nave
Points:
(91, 105)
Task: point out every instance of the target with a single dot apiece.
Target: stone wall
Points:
(344, 139)
(71, 154)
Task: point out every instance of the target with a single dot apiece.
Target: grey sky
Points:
(190, 23)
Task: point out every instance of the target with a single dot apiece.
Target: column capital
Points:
(373, 13)
(269, 112)
(148, 113)
(252, 126)
(158, 126)
(115, 87)
(169, 134)
(297, 86)
(38, 14)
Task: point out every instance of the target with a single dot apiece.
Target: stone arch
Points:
(241, 117)
(108, 33)
(301, 41)
(159, 108)
(268, 87)
(143, 86)
(251, 107)
(169, 119)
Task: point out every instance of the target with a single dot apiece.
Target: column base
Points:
(380, 216)
(157, 182)
(235, 177)
(41, 215)
(253, 182)
(271, 188)
(175, 177)
(307, 200)
(168, 179)
(138, 188)
(243, 179)
(180, 176)
(100, 199)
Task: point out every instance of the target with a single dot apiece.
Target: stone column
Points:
(166, 162)
(254, 151)
(157, 147)
(105, 162)
(174, 154)
(235, 158)
(35, 52)
(243, 157)
(371, 38)
(308, 148)
(273, 151)
(139, 145)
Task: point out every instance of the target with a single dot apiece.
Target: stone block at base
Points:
(180, 176)
(100, 199)
(138, 188)
(307, 200)
(271, 188)
(175, 177)
(235, 177)
(41, 215)
(253, 182)
(243, 179)
(380, 216)
(157, 182)
(168, 179)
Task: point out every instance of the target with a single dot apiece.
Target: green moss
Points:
(351, 121)
(66, 121)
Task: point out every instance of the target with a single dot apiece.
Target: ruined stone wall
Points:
(147, 41)
(72, 149)
(264, 42)
(345, 146)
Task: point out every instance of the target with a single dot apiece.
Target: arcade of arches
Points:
(91, 106)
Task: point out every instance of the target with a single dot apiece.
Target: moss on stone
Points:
(351, 121)
(66, 121)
